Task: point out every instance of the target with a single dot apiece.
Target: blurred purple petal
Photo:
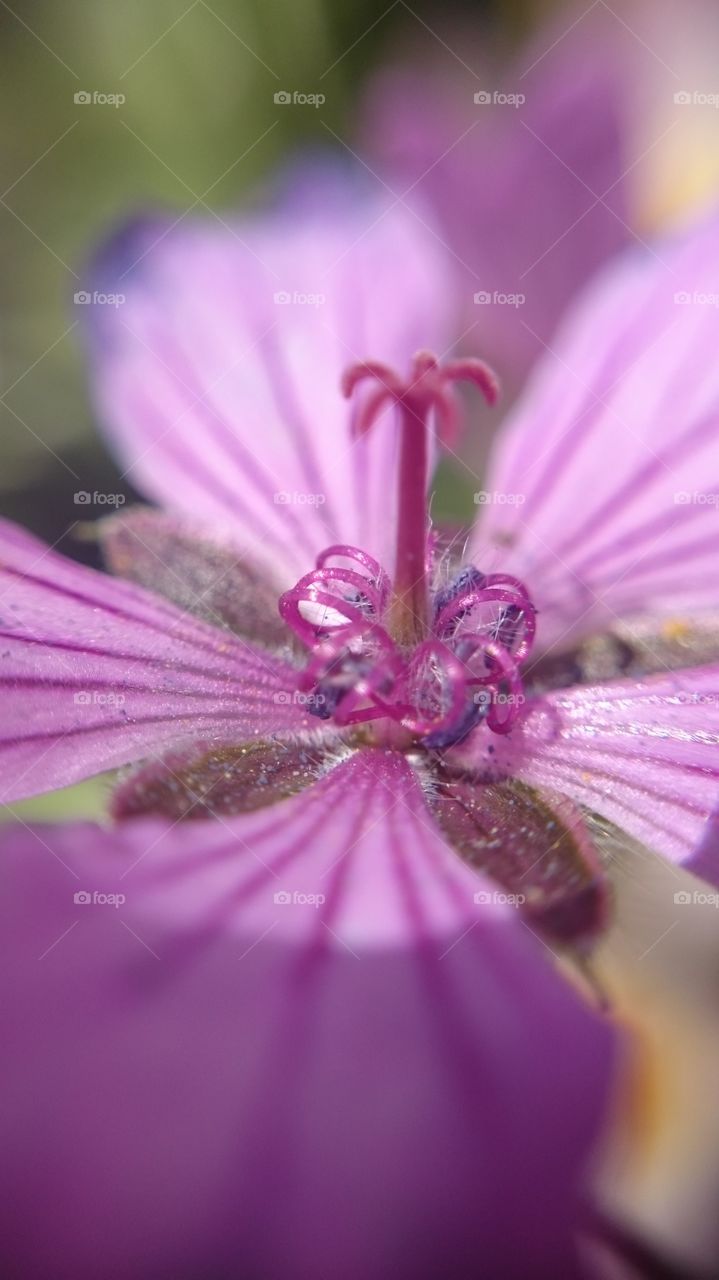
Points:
(209, 1080)
(530, 197)
(219, 376)
(604, 489)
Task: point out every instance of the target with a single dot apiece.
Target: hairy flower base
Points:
(465, 672)
(536, 848)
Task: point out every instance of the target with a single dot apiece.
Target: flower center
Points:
(391, 650)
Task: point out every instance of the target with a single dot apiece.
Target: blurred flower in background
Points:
(522, 161)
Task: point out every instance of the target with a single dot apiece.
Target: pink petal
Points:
(202, 1081)
(225, 403)
(605, 487)
(96, 672)
(531, 198)
(643, 754)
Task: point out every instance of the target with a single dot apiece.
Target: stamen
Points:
(504, 670)
(514, 627)
(501, 641)
(437, 689)
(428, 389)
(353, 667)
(329, 597)
(465, 673)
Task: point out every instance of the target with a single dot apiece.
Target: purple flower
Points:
(286, 1015)
(523, 165)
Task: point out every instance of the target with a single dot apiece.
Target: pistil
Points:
(426, 393)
